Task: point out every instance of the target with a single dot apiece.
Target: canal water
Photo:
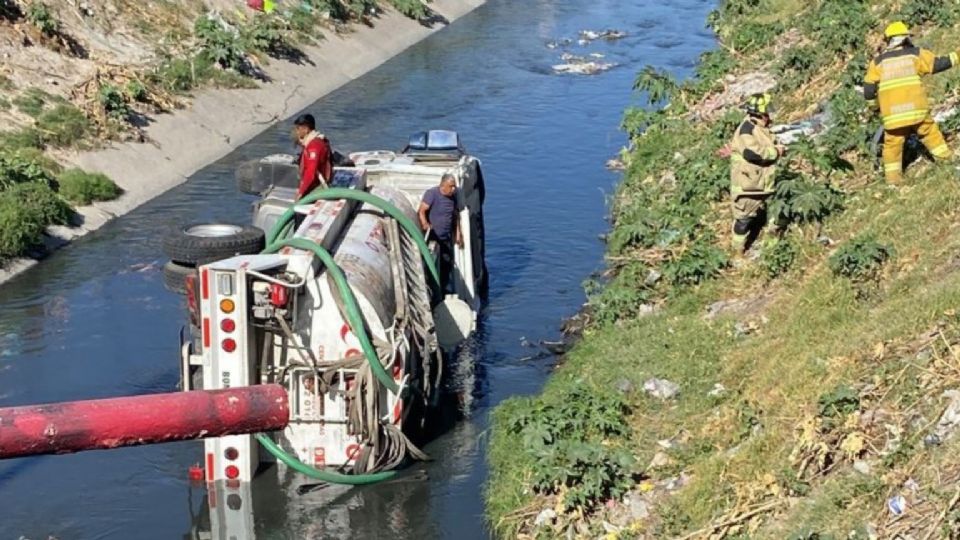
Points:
(94, 321)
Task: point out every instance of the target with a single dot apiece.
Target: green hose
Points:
(282, 228)
(324, 476)
(354, 317)
(333, 194)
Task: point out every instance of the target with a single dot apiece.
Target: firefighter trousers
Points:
(894, 140)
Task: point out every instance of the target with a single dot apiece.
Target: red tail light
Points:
(228, 326)
(231, 453)
(229, 345)
(232, 472)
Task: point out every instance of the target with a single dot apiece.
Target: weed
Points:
(266, 34)
(114, 102)
(415, 9)
(31, 102)
(698, 263)
(63, 126)
(841, 26)
(621, 298)
(853, 126)
(82, 188)
(27, 137)
(569, 440)
(778, 257)
(659, 85)
(839, 402)
(712, 67)
(15, 168)
(220, 43)
(25, 212)
(798, 65)
(137, 91)
(39, 15)
(752, 36)
(800, 200)
(917, 12)
(861, 259)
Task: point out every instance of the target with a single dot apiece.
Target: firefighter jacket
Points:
(893, 79)
(753, 158)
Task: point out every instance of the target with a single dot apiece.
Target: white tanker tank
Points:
(283, 318)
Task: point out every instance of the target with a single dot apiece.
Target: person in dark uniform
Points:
(438, 215)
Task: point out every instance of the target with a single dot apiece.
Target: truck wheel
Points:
(199, 244)
(256, 176)
(174, 277)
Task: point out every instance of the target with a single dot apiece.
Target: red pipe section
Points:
(64, 428)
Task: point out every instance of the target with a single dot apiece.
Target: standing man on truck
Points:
(754, 154)
(316, 160)
(438, 217)
(893, 80)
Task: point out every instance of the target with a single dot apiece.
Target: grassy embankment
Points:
(209, 50)
(832, 347)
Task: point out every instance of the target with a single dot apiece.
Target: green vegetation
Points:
(39, 15)
(25, 211)
(860, 259)
(566, 437)
(826, 401)
(81, 187)
(29, 198)
(63, 126)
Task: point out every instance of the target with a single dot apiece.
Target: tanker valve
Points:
(279, 295)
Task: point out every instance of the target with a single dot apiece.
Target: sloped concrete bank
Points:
(219, 120)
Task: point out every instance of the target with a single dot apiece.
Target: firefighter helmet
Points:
(759, 105)
(897, 29)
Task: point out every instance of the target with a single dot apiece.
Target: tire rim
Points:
(213, 231)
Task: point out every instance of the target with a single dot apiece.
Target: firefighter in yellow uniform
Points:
(893, 79)
(754, 154)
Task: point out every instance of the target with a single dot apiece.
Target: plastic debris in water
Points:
(897, 505)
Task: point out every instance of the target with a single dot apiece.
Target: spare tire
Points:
(175, 276)
(256, 176)
(203, 243)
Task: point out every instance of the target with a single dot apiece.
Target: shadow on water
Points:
(93, 320)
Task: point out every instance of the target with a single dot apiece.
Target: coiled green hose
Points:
(354, 316)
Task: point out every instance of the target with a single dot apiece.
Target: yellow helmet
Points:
(897, 29)
(759, 104)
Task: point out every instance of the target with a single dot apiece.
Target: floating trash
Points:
(593, 35)
(584, 67)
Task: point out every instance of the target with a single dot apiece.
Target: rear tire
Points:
(175, 275)
(199, 244)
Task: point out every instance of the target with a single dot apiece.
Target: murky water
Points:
(94, 320)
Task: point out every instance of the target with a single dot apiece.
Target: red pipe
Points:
(63, 428)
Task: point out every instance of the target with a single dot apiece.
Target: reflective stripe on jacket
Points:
(753, 158)
(894, 80)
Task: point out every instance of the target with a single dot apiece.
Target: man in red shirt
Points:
(316, 163)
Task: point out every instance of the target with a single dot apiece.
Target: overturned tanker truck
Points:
(319, 335)
(344, 308)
